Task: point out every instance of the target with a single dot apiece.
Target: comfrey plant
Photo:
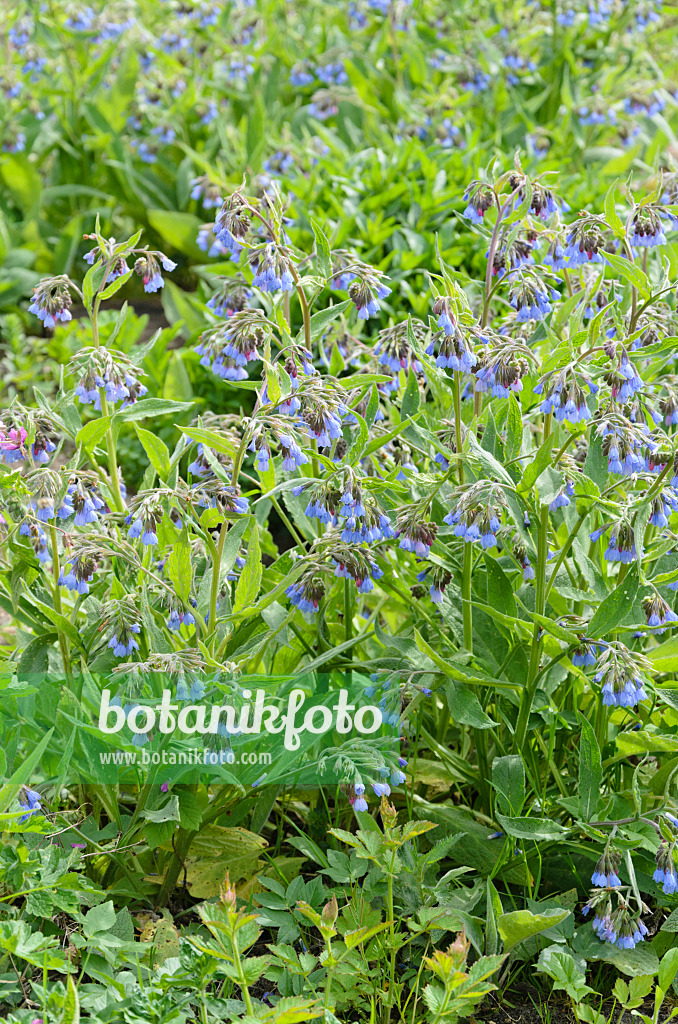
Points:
(468, 517)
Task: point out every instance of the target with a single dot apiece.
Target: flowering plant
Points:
(429, 472)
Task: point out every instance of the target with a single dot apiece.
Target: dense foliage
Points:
(406, 429)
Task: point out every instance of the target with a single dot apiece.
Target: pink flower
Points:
(13, 440)
(164, 787)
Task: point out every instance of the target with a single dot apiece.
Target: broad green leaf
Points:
(520, 925)
(179, 568)
(616, 606)
(611, 215)
(664, 658)
(508, 779)
(531, 828)
(93, 431)
(156, 450)
(250, 576)
(324, 255)
(218, 442)
(590, 771)
(71, 1012)
(631, 272)
(151, 407)
(534, 469)
(321, 321)
(465, 707)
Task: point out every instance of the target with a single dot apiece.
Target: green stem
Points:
(56, 571)
(391, 930)
(566, 547)
(467, 608)
(182, 840)
(329, 976)
(305, 311)
(466, 605)
(348, 610)
(110, 443)
(216, 573)
(456, 392)
(242, 981)
(540, 605)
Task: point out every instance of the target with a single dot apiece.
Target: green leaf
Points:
(321, 321)
(568, 636)
(611, 215)
(179, 568)
(531, 828)
(595, 466)
(169, 812)
(499, 589)
(218, 442)
(156, 450)
(232, 544)
(151, 407)
(71, 1014)
(99, 919)
(631, 272)
(116, 285)
(465, 707)
(324, 254)
(508, 779)
(411, 397)
(93, 431)
(250, 577)
(664, 658)
(533, 470)
(590, 771)
(668, 968)
(615, 607)
(514, 429)
(520, 925)
(22, 775)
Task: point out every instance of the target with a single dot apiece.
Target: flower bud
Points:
(227, 893)
(330, 912)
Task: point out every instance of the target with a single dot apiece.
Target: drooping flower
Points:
(479, 198)
(528, 298)
(620, 673)
(584, 244)
(646, 228)
(148, 270)
(366, 291)
(476, 515)
(415, 535)
(586, 653)
(122, 643)
(658, 612)
(307, 593)
(605, 874)
(665, 873)
(359, 801)
(78, 572)
(52, 301)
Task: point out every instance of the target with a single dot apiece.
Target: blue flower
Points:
(30, 802)
(479, 199)
(122, 643)
(583, 245)
(306, 594)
